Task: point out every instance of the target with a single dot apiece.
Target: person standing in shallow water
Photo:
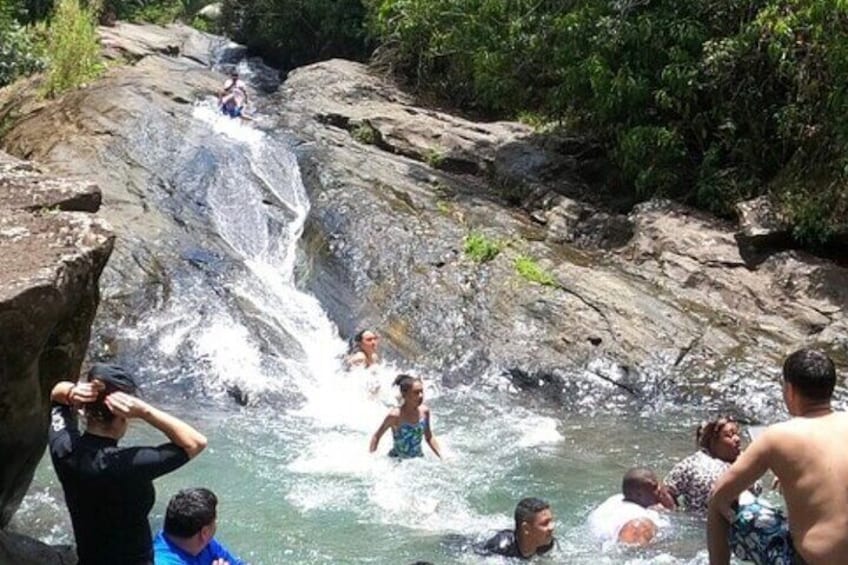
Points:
(363, 351)
(807, 455)
(409, 424)
(109, 489)
(533, 533)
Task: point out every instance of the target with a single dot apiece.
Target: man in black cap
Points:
(109, 489)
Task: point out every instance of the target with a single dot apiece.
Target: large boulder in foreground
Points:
(52, 251)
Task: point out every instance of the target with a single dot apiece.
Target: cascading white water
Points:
(292, 469)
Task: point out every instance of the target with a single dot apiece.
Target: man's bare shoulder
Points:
(803, 428)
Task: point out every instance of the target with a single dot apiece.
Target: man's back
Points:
(808, 456)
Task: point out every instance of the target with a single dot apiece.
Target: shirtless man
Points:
(808, 456)
(233, 96)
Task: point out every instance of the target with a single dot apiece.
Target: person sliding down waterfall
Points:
(410, 423)
(233, 97)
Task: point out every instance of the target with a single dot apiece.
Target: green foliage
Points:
(19, 53)
(73, 48)
(158, 11)
(202, 24)
(528, 269)
(480, 248)
(365, 133)
(290, 33)
(707, 101)
(434, 157)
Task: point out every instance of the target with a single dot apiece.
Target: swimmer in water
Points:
(533, 533)
(363, 350)
(410, 423)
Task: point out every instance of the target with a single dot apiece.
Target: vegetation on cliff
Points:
(706, 102)
(73, 50)
(290, 33)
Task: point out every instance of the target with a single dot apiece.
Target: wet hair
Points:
(811, 372)
(526, 510)
(709, 431)
(638, 486)
(189, 511)
(405, 382)
(114, 378)
(355, 345)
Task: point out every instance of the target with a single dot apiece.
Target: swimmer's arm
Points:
(428, 435)
(750, 466)
(375, 439)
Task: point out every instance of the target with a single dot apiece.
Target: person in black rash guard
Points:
(109, 489)
(533, 533)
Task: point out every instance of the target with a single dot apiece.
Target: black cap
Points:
(114, 376)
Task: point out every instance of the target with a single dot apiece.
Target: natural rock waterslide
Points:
(395, 188)
(663, 283)
(661, 302)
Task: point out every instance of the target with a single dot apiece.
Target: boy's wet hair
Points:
(526, 510)
(709, 431)
(405, 382)
(811, 372)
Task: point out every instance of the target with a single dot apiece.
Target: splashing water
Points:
(292, 469)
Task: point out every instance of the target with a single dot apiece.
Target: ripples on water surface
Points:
(292, 469)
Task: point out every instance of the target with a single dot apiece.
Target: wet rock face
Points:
(665, 294)
(22, 550)
(662, 296)
(51, 255)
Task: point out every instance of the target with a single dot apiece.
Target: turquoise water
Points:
(292, 469)
(300, 489)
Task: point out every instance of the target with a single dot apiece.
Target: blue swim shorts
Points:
(231, 110)
(760, 533)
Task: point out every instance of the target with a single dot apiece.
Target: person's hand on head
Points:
(85, 391)
(125, 405)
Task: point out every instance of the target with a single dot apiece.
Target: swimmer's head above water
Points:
(366, 341)
(641, 485)
(411, 389)
(720, 438)
(534, 522)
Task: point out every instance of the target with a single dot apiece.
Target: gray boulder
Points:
(51, 255)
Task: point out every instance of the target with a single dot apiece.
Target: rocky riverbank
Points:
(52, 251)
(580, 300)
(396, 188)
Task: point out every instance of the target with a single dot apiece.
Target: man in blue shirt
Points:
(187, 537)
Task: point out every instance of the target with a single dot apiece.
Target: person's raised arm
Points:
(375, 439)
(68, 393)
(179, 432)
(750, 466)
(428, 434)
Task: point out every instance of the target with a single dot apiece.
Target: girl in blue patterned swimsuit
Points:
(410, 423)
